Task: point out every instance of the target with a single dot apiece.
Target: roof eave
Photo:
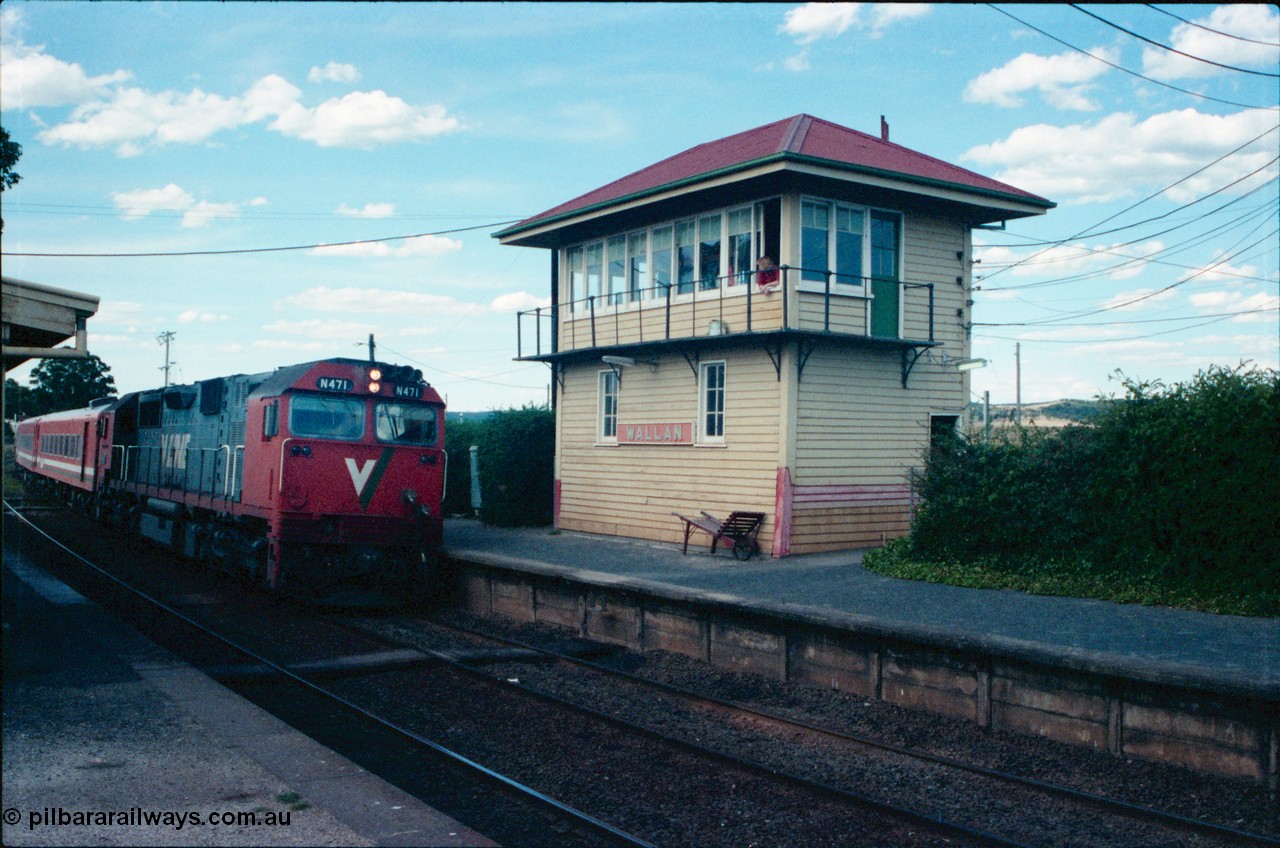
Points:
(1017, 205)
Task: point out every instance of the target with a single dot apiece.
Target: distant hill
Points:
(1053, 413)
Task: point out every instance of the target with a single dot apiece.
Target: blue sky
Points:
(200, 127)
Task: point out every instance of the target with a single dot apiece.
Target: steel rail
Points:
(933, 822)
(528, 793)
(689, 695)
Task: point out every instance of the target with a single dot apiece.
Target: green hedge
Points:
(1178, 485)
(516, 463)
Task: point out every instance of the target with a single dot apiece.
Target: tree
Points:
(10, 152)
(58, 384)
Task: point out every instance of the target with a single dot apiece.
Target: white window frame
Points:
(648, 296)
(862, 275)
(705, 438)
(606, 379)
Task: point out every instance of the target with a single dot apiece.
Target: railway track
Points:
(727, 711)
(557, 822)
(736, 762)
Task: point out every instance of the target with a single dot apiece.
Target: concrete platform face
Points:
(104, 732)
(1195, 689)
(1238, 648)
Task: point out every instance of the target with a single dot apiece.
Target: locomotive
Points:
(323, 480)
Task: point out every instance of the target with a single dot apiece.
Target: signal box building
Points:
(686, 379)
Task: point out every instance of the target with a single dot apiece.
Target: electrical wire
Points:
(406, 356)
(1092, 230)
(1207, 269)
(238, 251)
(1124, 339)
(1082, 250)
(1126, 70)
(1171, 49)
(1209, 29)
(1267, 308)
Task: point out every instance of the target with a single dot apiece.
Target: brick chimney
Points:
(884, 129)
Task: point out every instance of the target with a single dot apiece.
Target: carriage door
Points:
(84, 450)
(886, 266)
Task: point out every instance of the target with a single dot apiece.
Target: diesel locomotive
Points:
(323, 480)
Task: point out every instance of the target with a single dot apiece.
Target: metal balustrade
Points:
(732, 305)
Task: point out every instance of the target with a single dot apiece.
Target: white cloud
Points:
(322, 328)
(1137, 299)
(419, 246)
(369, 210)
(334, 72)
(798, 62)
(139, 203)
(355, 300)
(131, 118)
(204, 212)
(1123, 259)
(1259, 308)
(364, 119)
(1059, 79)
(1219, 269)
(33, 78)
(193, 316)
(1120, 156)
(813, 21)
(1259, 22)
(518, 302)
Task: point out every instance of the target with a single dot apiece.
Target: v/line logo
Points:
(368, 475)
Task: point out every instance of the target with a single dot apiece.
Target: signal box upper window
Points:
(321, 417)
(405, 424)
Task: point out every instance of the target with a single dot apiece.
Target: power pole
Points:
(164, 339)
(372, 358)
(1017, 358)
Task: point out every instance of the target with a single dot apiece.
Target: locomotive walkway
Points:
(1158, 643)
(98, 720)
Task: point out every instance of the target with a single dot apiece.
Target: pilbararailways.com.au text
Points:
(138, 817)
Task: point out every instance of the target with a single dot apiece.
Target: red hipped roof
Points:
(800, 138)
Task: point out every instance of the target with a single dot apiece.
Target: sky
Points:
(213, 132)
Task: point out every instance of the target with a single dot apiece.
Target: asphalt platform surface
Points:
(100, 722)
(1239, 651)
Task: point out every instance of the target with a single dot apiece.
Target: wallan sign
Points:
(680, 433)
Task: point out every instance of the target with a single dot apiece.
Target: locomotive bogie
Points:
(317, 477)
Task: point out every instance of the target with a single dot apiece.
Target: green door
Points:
(886, 232)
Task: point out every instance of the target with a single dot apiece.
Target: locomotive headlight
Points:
(375, 374)
(374, 388)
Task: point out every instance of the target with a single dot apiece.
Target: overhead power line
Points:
(1130, 32)
(1221, 317)
(1126, 70)
(1210, 29)
(256, 249)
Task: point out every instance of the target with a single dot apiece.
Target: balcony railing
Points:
(801, 299)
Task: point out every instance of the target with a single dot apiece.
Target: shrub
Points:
(1179, 484)
(517, 467)
(459, 436)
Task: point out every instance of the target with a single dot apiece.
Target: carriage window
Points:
(405, 424)
(324, 417)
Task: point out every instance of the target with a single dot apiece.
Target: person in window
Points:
(767, 275)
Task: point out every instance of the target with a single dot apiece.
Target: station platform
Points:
(104, 732)
(1225, 653)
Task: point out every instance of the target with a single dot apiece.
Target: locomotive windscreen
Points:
(323, 417)
(403, 423)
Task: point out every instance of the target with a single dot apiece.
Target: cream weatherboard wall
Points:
(632, 489)
(826, 451)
